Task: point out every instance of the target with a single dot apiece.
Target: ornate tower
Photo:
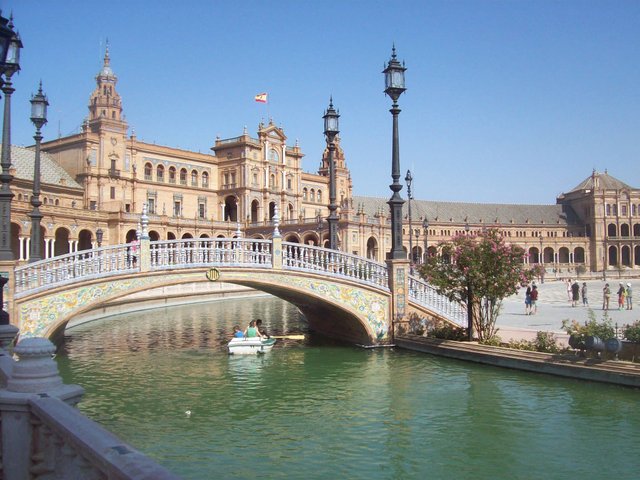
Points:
(105, 105)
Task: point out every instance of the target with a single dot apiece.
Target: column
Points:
(21, 248)
(27, 248)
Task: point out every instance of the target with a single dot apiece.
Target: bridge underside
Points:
(323, 318)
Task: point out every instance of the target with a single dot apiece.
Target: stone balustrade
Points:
(45, 437)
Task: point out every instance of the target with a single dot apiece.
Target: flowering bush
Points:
(603, 330)
(479, 271)
(632, 332)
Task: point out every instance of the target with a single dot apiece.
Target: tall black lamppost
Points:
(39, 105)
(469, 300)
(425, 227)
(394, 86)
(331, 130)
(99, 236)
(10, 45)
(409, 179)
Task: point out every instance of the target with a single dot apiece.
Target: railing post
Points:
(277, 253)
(399, 287)
(35, 374)
(145, 255)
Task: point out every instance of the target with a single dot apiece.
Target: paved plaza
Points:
(554, 306)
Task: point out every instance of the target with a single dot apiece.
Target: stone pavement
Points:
(554, 306)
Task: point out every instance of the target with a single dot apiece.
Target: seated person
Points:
(237, 333)
(252, 331)
(262, 331)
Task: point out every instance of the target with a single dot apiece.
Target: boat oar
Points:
(289, 337)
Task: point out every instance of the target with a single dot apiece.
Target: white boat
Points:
(249, 346)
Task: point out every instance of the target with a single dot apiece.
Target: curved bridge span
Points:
(341, 295)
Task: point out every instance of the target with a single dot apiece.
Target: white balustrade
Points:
(422, 293)
(203, 252)
(334, 263)
(74, 267)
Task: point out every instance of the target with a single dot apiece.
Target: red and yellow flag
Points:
(261, 97)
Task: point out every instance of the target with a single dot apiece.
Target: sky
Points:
(506, 102)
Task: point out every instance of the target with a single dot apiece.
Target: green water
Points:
(320, 410)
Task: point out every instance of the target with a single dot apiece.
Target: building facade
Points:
(100, 178)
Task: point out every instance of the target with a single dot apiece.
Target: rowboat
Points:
(250, 346)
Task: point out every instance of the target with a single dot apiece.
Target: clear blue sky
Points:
(506, 101)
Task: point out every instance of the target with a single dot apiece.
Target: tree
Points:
(479, 271)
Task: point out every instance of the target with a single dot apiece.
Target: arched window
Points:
(194, 178)
(608, 207)
(273, 156)
(624, 230)
(147, 171)
(205, 180)
(272, 181)
(319, 196)
(304, 194)
(160, 173)
(312, 195)
(172, 174)
(612, 231)
(183, 176)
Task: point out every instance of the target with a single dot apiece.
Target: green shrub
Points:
(546, 342)
(632, 332)
(603, 330)
(494, 341)
(446, 331)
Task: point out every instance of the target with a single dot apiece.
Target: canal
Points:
(163, 381)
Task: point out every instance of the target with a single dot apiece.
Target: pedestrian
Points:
(575, 294)
(621, 294)
(606, 294)
(534, 301)
(629, 297)
(568, 285)
(585, 302)
(527, 301)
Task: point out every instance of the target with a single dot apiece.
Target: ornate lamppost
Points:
(10, 45)
(425, 227)
(394, 87)
(39, 106)
(99, 236)
(330, 131)
(409, 179)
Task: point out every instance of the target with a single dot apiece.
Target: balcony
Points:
(114, 173)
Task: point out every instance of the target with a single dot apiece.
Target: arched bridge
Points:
(341, 295)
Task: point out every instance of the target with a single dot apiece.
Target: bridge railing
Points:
(334, 263)
(193, 252)
(424, 294)
(72, 267)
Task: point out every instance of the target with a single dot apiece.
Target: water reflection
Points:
(312, 409)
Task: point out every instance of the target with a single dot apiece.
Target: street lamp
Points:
(39, 105)
(394, 87)
(469, 299)
(409, 179)
(10, 45)
(330, 131)
(99, 236)
(425, 226)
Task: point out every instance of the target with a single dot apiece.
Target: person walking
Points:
(575, 294)
(534, 301)
(527, 301)
(585, 302)
(621, 294)
(606, 294)
(629, 297)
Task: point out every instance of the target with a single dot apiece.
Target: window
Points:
(205, 180)
(312, 195)
(112, 193)
(623, 208)
(194, 178)
(92, 205)
(272, 181)
(273, 156)
(608, 210)
(304, 194)
(147, 171)
(151, 204)
(202, 210)
(172, 174)
(289, 183)
(160, 173)
(183, 176)
(319, 196)
(177, 208)
(255, 180)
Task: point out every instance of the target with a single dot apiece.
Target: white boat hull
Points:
(250, 346)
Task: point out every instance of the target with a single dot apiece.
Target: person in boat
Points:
(262, 331)
(252, 331)
(237, 332)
